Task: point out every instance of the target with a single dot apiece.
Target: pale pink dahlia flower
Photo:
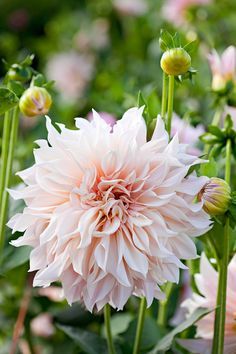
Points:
(187, 133)
(72, 72)
(131, 7)
(107, 213)
(223, 67)
(207, 282)
(175, 10)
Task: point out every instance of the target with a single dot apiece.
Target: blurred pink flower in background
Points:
(71, 72)
(185, 293)
(53, 293)
(42, 325)
(96, 36)
(174, 11)
(107, 117)
(107, 213)
(223, 67)
(131, 7)
(187, 133)
(207, 282)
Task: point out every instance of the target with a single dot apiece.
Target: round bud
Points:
(175, 61)
(215, 196)
(19, 73)
(35, 101)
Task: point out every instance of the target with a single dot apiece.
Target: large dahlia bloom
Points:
(207, 282)
(107, 213)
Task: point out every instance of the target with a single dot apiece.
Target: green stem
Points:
(170, 103)
(4, 204)
(141, 318)
(219, 327)
(163, 306)
(5, 144)
(107, 319)
(164, 95)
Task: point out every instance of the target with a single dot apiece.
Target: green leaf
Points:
(209, 138)
(166, 40)
(216, 131)
(209, 169)
(228, 122)
(191, 47)
(8, 99)
(165, 343)
(16, 258)
(142, 102)
(176, 40)
(38, 80)
(150, 335)
(89, 342)
(119, 324)
(28, 60)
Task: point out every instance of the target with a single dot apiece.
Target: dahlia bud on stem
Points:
(35, 101)
(215, 196)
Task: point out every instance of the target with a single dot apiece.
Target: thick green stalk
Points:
(163, 306)
(164, 95)
(4, 204)
(170, 103)
(139, 330)
(107, 319)
(5, 145)
(219, 327)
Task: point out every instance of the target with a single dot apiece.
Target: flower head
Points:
(35, 101)
(215, 196)
(223, 68)
(107, 213)
(175, 61)
(187, 133)
(71, 72)
(130, 7)
(175, 10)
(208, 290)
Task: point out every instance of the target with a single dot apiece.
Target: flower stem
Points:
(107, 319)
(5, 144)
(219, 328)
(170, 103)
(164, 95)
(163, 306)
(8, 166)
(141, 317)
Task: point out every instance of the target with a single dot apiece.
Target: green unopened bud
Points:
(215, 196)
(19, 73)
(175, 61)
(35, 101)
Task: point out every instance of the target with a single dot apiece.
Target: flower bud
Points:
(215, 196)
(35, 101)
(175, 61)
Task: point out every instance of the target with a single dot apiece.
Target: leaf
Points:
(28, 60)
(228, 122)
(165, 343)
(209, 169)
(166, 40)
(216, 131)
(8, 99)
(119, 323)
(150, 335)
(16, 258)
(142, 102)
(38, 80)
(74, 315)
(191, 47)
(209, 138)
(89, 342)
(176, 39)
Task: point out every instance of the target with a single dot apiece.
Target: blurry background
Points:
(100, 54)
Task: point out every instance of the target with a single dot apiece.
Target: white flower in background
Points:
(131, 7)
(42, 325)
(71, 72)
(206, 282)
(223, 67)
(96, 36)
(107, 213)
(187, 133)
(174, 11)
